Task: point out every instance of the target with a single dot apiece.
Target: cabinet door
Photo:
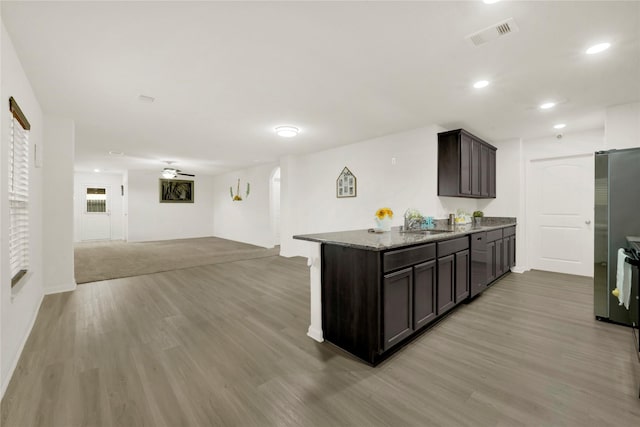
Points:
(465, 164)
(491, 262)
(446, 281)
(397, 318)
(512, 251)
(484, 171)
(424, 293)
(491, 173)
(499, 257)
(462, 275)
(478, 263)
(476, 167)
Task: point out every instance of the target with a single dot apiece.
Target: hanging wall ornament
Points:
(237, 197)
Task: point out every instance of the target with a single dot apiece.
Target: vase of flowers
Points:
(477, 218)
(384, 217)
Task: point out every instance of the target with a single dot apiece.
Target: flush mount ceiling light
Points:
(559, 126)
(96, 170)
(116, 153)
(480, 84)
(597, 48)
(547, 105)
(287, 131)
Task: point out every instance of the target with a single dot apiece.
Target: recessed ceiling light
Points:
(490, 1)
(287, 131)
(559, 126)
(116, 153)
(480, 84)
(146, 98)
(547, 105)
(597, 48)
(96, 170)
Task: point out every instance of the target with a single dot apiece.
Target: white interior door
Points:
(560, 203)
(96, 213)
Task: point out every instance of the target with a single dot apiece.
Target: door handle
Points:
(587, 222)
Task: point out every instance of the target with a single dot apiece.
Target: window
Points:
(96, 200)
(18, 193)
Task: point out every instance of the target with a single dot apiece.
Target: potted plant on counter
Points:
(477, 218)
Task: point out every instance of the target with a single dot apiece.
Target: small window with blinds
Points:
(18, 193)
(96, 200)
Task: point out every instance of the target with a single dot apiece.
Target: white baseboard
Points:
(519, 270)
(16, 359)
(61, 288)
(316, 334)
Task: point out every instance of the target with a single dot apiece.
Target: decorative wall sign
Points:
(176, 191)
(237, 197)
(346, 184)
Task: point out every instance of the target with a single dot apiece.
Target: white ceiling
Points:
(225, 74)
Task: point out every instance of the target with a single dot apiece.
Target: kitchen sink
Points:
(425, 232)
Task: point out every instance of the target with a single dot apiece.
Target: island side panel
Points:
(351, 300)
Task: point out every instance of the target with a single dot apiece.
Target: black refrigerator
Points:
(617, 216)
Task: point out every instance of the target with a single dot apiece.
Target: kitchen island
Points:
(373, 293)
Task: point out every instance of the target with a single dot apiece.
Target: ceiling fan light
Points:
(169, 173)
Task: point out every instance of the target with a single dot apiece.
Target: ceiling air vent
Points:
(493, 32)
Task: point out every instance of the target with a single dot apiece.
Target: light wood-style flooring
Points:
(226, 345)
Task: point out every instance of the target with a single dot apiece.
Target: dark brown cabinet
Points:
(446, 281)
(499, 257)
(479, 276)
(491, 262)
(453, 273)
(397, 313)
(466, 165)
(424, 294)
(493, 254)
(462, 276)
(409, 297)
(509, 248)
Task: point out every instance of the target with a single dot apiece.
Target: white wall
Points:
(571, 144)
(59, 134)
(19, 306)
(148, 219)
(248, 220)
(125, 206)
(622, 126)
(510, 200)
(309, 202)
(116, 207)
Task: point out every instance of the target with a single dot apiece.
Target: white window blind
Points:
(18, 194)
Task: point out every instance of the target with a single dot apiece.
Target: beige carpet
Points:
(112, 260)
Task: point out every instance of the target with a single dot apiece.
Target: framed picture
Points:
(176, 191)
(346, 184)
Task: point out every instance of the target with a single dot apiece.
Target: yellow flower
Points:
(383, 212)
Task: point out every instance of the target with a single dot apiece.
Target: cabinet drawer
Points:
(509, 231)
(452, 246)
(479, 241)
(494, 235)
(394, 260)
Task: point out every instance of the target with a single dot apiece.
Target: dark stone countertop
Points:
(364, 239)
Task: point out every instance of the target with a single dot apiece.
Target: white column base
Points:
(316, 334)
(314, 263)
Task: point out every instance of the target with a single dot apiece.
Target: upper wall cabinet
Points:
(466, 165)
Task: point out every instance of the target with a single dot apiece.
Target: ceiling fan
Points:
(170, 172)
